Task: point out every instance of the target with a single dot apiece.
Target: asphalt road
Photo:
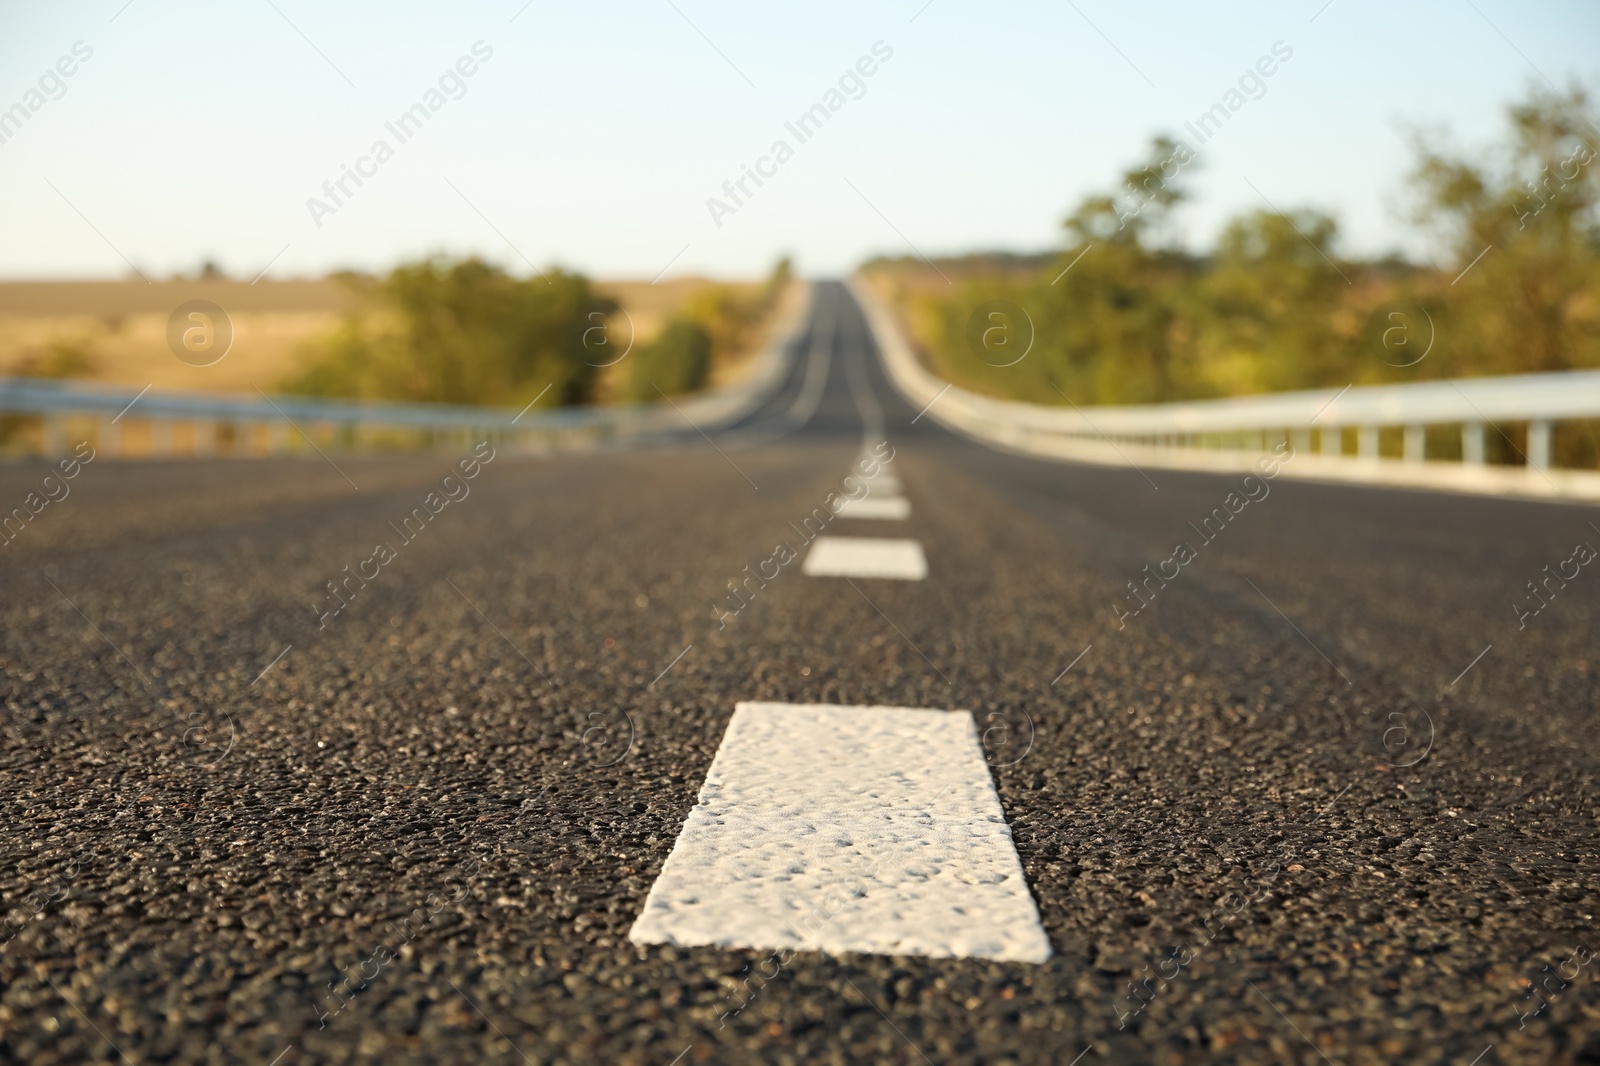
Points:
(1292, 797)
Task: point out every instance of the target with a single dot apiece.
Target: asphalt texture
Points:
(1290, 812)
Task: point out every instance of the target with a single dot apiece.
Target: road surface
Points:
(1321, 790)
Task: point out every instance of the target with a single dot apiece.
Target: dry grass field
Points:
(114, 332)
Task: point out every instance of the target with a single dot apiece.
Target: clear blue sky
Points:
(596, 132)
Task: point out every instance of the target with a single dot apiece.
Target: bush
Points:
(677, 361)
(440, 331)
(719, 324)
(732, 315)
(71, 358)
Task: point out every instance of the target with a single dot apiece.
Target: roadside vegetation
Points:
(718, 326)
(467, 332)
(1273, 306)
(462, 332)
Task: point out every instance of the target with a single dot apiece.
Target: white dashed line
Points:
(897, 508)
(832, 828)
(866, 557)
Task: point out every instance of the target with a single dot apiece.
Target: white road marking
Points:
(886, 484)
(832, 828)
(892, 507)
(866, 557)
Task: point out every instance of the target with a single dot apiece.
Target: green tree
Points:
(1117, 313)
(1265, 307)
(1523, 231)
(677, 361)
(1124, 316)
(461, 331)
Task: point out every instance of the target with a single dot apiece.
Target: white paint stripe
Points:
(886, 484)
(895, 507)
(865, 557)
(865, 829)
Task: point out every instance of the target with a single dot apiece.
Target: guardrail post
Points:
(1300, 441)
(1539, 445)
(205, 436)
(109, 438)
(277, 438)
(1367, 442)
(161, 437)
(1330, 435)
(1416, 444)
(1472, 443)
(55, 435)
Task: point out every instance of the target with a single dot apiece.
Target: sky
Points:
(595, 136)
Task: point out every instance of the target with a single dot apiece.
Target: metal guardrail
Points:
(267, 425)
(1231, 434)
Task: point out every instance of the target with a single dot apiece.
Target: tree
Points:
(1266, 306)
(677, 361)
(460, 332)
(1110, 325)
(1523, 232)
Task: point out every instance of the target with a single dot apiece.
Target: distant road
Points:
(1322, 791)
